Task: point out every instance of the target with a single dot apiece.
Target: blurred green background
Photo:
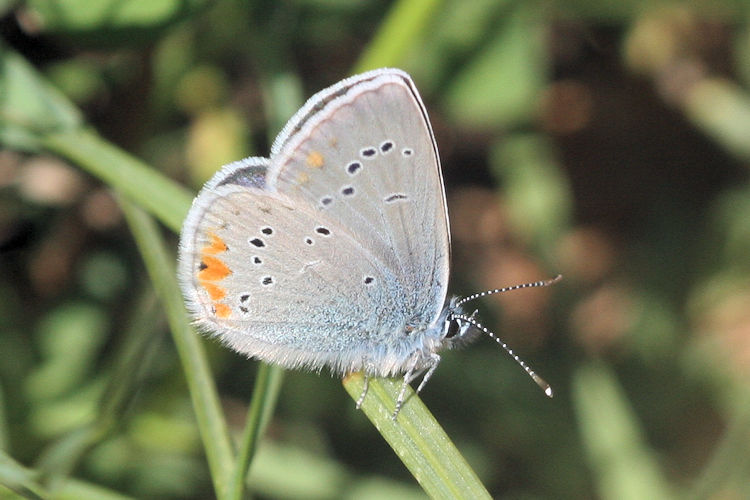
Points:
(606, 141)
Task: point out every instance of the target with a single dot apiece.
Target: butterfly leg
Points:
(434, 361)
(411, 373)
(365, 386)
(367, 369)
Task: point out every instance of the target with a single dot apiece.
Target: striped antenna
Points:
(470, 319)
(510, 289)
(531, 373)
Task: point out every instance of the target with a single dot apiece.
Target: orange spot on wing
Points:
(303, 178)
(213, 269)
(315, 159)
(217, 245)
(214, 291)
(223, 310)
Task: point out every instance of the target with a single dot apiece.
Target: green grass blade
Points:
(211, 422)
(265, 393)
(18, 478)
(418, 440)
(134, 359)
(29, 105)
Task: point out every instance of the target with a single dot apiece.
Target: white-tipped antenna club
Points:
(531, 373)
(469, 319)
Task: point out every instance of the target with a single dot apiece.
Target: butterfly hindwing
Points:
(270, 276)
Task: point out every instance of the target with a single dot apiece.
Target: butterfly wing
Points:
(279, 280)
(362, 152)
(334, 252)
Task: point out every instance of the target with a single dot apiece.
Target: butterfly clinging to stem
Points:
(334, 251)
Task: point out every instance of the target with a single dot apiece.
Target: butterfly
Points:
(334, 251)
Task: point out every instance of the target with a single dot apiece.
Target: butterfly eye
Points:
(453, 329)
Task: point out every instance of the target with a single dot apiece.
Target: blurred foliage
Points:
(607, 141)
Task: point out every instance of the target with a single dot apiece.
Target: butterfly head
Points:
(456, 333)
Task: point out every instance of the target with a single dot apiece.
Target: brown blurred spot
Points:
(9, 165)
(586, 254)
(485, 252)
(476, 216)
(728, 322)
(51, 265)
(49, 181)
(29, 20)
(523, 311)
(100, 210)
(601, 320)
(658, 38)
(566, 107)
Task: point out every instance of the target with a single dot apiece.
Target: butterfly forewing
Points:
(363, 155)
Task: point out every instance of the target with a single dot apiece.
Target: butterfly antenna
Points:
(531, 373)
(470, 319)
(509, 289)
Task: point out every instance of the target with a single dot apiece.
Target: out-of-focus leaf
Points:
(70, 338)
(22, 481)
(539, 197)
(28, 105)
(722, 110)
(217, 137)
(111, 20)
(500, 84)
(318, 477)
(405, 23)
(79, 79)
(6, 6)
(623, 462)
(18, 478)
